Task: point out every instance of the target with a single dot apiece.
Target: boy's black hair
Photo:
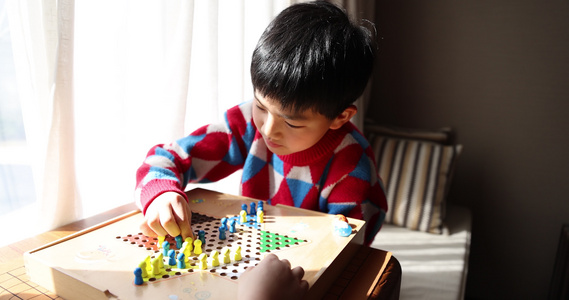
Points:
(311, 56)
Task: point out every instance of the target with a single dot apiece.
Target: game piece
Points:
(181, 261)
(138, 276)
(179, 241)
(143, 268)
(214, 258)
(198, 247)
(161, 261)
(237, 254)
(148, 265)
(156, 270)
(190, 242)
(201, 235)
(341, 226)
(260, 205)
(223, 223)
(243, 217)
(185, 249)
(172, 257)
(244, 207)
(260, 216)
(165, 248)
(225, 254)
(253, 210)
(202, 264)
(222, 233)
(160, 241)
(232, 225)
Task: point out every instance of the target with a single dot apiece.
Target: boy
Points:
(294, 141)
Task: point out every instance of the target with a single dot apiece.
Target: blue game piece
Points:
(260, 205)
(181, 260)
(244, 207)
(138, 276)
(165, 248)
(201, 235)
(221, 233)
(253, 211)
(232, 225)
(223, 223)
(179, 242)
(172, 258)
(342, 229)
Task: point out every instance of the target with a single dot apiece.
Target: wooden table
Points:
(372, 270)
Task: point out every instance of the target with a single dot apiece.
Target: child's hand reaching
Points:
(169, 214)
(272, 279)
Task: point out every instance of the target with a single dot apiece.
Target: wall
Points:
(498, 72)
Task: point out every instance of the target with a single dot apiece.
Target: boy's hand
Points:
(169, 214)
(272, 279)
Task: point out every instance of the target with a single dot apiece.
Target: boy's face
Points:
(285, 132)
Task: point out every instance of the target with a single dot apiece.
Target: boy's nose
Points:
(270, 128)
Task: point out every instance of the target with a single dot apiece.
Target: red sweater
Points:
(337, 175)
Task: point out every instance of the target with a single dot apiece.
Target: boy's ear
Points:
(344, 117)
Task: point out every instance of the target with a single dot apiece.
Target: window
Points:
(16, 180)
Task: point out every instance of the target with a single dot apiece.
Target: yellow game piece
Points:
(243, 217)
(237, 254)
(148, 265)
(198, 247)
(161, 260)
(225, 255)
(214, 258)
(143, 267)
(202, 264)
(190, 242)
(186, 250)
(260, 216)
(156, 270)
(160, 241)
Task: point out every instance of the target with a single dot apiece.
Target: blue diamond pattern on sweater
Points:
(277, 164)
(249, 135)
(340, 208)
(233, 155)
(162, 152)
(252, 166)
(361, 170)
(298, 190)
(188, 142)
(159, 173)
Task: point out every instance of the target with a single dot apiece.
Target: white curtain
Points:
(103, 81)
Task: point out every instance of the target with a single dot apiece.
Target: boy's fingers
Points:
(186, 226)
(304, 286)
(298, 273)
(168, 222)
(183, 216)
(157, 228)
(146, 230)
(286, 262)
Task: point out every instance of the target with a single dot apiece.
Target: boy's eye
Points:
(260, 108)
(293, 126)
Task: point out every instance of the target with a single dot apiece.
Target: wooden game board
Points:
(98, 263)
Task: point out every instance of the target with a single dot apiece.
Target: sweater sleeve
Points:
(206, 155)
(353, 187)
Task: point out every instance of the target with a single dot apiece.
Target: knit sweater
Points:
(337, 175)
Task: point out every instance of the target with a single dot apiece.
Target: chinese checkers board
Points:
(114, 260)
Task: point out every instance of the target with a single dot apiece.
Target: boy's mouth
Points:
(271, 143)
